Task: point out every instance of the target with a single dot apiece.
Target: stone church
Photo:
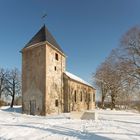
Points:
(46, 85)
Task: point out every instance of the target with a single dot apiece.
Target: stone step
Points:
(84, 115)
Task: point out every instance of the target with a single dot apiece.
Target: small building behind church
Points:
(46, 85)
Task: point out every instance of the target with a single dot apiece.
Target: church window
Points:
(55, 68)
(75, 95)
(56, 103)
(93, 97)
(56, 56)
(85, 96)
(89, 99)
(81, 97)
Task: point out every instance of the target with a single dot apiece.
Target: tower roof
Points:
(41, 36)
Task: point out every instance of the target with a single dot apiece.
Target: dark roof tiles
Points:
(41, 36)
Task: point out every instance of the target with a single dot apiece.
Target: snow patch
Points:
(76, 78)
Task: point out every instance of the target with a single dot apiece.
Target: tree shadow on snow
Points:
(121, 121)
(67, 132)
(14, 109)
(123, 114)
(120, 134)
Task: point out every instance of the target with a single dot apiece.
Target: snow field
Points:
(111, 125)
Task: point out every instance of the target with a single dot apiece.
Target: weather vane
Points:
(43, 18)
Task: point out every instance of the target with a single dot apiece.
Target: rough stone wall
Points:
(33, 79)
(66, 94)
(54, 80)
(85, 96)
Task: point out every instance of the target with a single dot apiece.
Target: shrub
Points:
(2, 103)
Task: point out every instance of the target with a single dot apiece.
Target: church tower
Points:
(43, 65)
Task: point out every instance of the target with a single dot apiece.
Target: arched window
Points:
(93, 97)
(89, 98)
(85, 96)
(81, 98)
(75, 95)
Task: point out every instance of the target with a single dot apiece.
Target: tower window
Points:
(56, 56)
(55, 68)
(56, 103)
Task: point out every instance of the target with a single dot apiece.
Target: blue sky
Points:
(87, 30)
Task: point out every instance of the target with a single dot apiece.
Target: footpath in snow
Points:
(111, 125)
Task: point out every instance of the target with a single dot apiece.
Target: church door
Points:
(32, 107)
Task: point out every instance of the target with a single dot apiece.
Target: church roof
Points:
(76, 78)
(41, 36)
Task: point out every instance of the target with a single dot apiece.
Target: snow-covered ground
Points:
(112, 125)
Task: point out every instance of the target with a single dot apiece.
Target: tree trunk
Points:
(13, 95)
(1, 86)
(112, 102)
(12, 102)
(0, 91)
(102, 102)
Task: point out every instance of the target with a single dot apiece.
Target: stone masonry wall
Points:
(78, 96)
(33, 80)
(54, 80)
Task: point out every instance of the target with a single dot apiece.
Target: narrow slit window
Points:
(55, 68)
(56, 103)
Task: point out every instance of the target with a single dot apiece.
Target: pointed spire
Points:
(43, 35)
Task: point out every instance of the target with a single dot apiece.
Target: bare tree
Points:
(129, 56)
(13, 84)
(130, 44)
(111, 78)
(119, 74)
(100, 79)
(120, 80)
(3, 74)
